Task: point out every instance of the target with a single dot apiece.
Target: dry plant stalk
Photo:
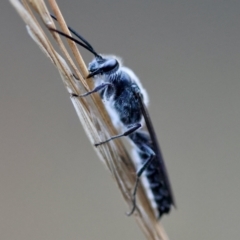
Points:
(90, 110)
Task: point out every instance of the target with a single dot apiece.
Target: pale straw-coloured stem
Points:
(90, 110)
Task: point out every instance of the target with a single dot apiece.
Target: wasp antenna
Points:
(76, 41)
(76, 34)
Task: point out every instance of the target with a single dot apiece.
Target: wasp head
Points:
(102, 65)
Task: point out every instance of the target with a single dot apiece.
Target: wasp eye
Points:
(111, 65)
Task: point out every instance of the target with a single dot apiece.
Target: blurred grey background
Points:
(52, 186)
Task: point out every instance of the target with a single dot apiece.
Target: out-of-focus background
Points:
(187, 54)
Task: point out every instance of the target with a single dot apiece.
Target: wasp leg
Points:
(96, 89)
(132, 129)
(139, 174)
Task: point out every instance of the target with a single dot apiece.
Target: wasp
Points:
(126, 103)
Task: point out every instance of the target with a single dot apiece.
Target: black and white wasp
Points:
(125, 100)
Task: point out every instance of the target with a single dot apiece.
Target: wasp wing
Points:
(157, 150)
